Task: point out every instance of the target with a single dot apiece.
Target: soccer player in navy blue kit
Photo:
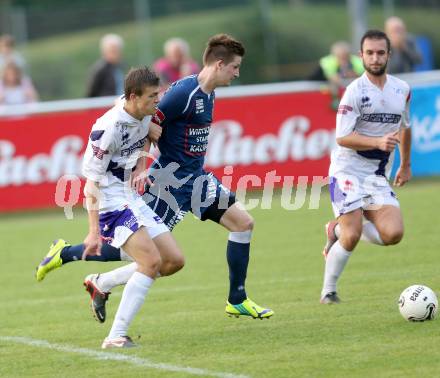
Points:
(181, 126)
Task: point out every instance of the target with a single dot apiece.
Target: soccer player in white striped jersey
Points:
(373, 117)
(117, 213)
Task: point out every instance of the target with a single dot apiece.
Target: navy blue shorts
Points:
(203, 195)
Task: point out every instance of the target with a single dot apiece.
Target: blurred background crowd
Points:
(59, 49)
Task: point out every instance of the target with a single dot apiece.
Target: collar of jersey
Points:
(127, 117)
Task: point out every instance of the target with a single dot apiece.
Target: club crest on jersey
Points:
(158, 117)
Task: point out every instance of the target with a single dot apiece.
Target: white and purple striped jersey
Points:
(114, 145)
(369, 111)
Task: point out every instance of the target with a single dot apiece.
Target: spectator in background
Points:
(339, 65)
(107, 75)
(15, 87)
(8, 53)
(338, 68)
(404, 53)
(176, 63)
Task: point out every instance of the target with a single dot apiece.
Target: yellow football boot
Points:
(248, 308)
(52, 259)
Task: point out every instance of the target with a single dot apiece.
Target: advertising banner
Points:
(273, 136)
(288, 134)
(425, 124)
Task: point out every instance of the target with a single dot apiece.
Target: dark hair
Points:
(375, 34)
(222, 47)
(139, 78)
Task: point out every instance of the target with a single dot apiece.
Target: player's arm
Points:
(403, 174)
(100, 148)
(360, 142)
(154, 132)
(92, 242)
(139, 177)
(346, 135)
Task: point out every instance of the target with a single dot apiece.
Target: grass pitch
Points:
(184, 330)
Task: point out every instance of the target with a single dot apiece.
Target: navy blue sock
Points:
(238, 259)
(74, 253)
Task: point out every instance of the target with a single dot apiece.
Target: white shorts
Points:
(349, 193)
(117, 226)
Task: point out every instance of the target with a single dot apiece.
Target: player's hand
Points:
(139, 180)
(389, 141)
(154, 132)
(92, 245)
(403, 175)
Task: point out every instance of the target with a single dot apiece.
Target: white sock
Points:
(119, 276)
(243, 237)
(132, 299)
(370, 234)
(334, 265)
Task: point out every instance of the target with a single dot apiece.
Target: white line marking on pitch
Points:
(142, 362)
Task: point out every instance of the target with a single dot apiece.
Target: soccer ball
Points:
(418, 303)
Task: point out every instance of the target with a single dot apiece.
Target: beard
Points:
(376, 71)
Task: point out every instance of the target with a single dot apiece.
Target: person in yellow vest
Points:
(339, 68)
(341, 64)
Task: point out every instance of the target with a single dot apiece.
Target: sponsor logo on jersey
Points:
(366, 102)
(135, 146)
(125, 138)
(199, 106)
(158, 117)
(381, 117)
(98, 152)
(196, 139)
(344, 109)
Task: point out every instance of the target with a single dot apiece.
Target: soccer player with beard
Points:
(373, 117)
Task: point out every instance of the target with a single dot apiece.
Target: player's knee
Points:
(349, 239)
(171, 266)
(245, 224)
(392, 237)
(149, 263)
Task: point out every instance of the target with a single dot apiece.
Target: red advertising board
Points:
(291, 133)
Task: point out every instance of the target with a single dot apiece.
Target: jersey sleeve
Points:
(348, 114)
(172, 105)
(405, 116)
(100, 149)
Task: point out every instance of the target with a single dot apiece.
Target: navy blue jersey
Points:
(185, 114)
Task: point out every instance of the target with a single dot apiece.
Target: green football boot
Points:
(52, 259)
(248, 308)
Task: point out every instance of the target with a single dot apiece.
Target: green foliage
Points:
(300, 36)
(182, 322)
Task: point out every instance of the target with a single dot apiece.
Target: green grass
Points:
(182, 322)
